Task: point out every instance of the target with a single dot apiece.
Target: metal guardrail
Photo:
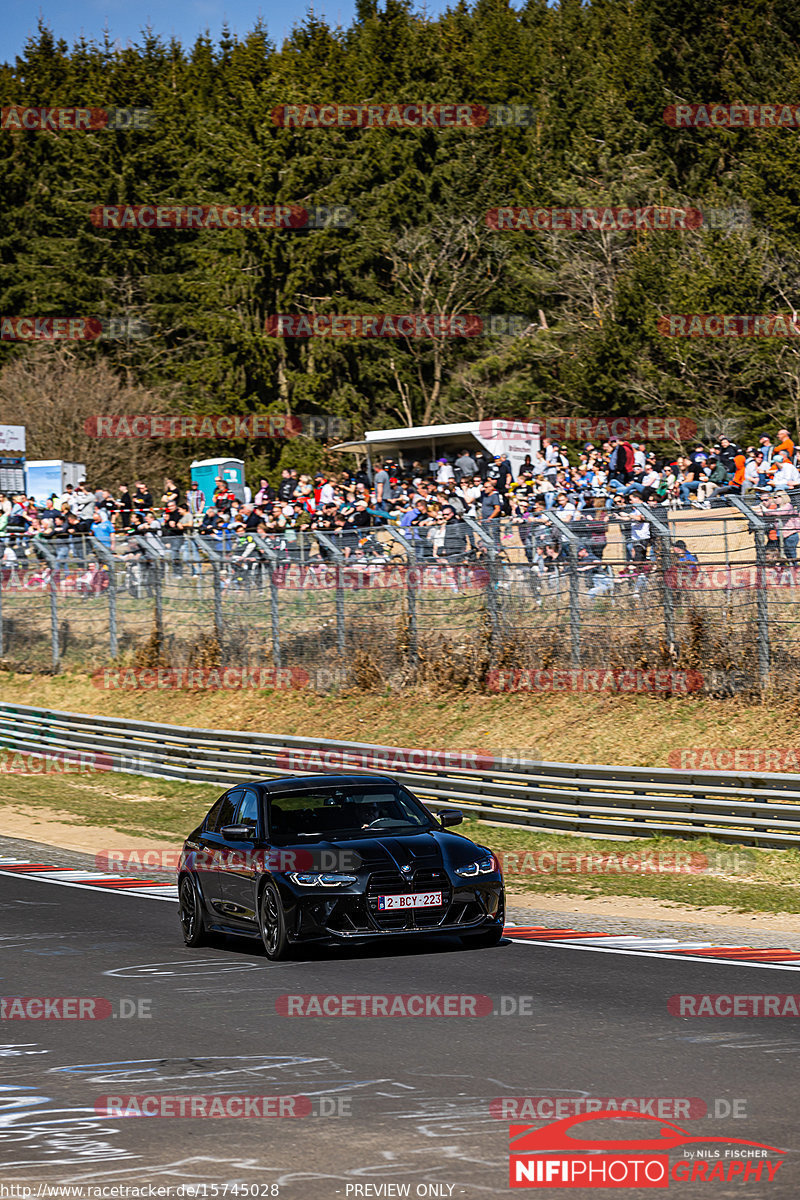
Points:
(590, 800)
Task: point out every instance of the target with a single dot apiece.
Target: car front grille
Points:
(392, 883)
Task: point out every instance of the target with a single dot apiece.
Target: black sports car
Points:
(335, 858)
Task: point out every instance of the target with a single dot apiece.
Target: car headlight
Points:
(321, 879)
(481, 866)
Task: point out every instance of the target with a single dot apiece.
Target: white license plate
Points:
(411, 900)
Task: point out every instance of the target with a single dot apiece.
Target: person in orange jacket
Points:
(785, 444)
(735, 485)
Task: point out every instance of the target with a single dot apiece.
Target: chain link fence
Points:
(634, 598)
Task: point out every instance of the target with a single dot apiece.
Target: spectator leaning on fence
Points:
(102, 528)
(491, 510)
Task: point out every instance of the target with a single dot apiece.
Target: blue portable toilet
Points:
(207, 471)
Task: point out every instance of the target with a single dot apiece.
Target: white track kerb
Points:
(541, 936)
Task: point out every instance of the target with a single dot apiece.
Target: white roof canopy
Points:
(495, 436)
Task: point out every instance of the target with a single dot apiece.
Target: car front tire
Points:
(272, 923)
(190, 912)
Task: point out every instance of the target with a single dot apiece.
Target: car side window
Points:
(225, 811)
(210, 822)
(248, 809)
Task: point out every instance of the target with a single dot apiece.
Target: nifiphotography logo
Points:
(551, 1156)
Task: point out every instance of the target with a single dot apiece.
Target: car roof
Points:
(299, 783)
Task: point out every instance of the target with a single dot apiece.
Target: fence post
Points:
(664, 549)
(104, 554)
(573, 542)
(339, 560)
(156, 562)
(216, 575)
(50, 558)
(411, 591)
(759, 529)
(275, 624)
(491, 552)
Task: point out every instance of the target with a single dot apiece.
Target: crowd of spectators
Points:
(427, 503)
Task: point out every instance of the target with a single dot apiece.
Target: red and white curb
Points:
(653, 947)
(538, 935)
(90, 880)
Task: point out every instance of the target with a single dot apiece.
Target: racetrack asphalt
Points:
(410, 1097)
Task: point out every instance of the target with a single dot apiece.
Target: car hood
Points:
(386, 852)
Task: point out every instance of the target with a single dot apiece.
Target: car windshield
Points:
(337, 812)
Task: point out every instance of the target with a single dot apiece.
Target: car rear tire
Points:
(484, 939)
(190, 912)
(272, 923)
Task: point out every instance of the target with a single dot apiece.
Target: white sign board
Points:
(12, 439)
(514, 438)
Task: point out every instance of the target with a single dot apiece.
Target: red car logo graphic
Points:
(526, 1139)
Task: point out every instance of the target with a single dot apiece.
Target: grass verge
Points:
(626, 730)
(746, 880)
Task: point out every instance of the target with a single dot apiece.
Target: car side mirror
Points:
(451, 816)
(239, 833)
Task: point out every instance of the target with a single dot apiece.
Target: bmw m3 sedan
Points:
(335, 859)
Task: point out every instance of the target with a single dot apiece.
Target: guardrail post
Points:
(215, 561)
(664, 551)
(104, 554)
(411, 592)
(50, 558)
(275, 624)
(491, 592)
(573, 542)
(339, 561)
(759, 529)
